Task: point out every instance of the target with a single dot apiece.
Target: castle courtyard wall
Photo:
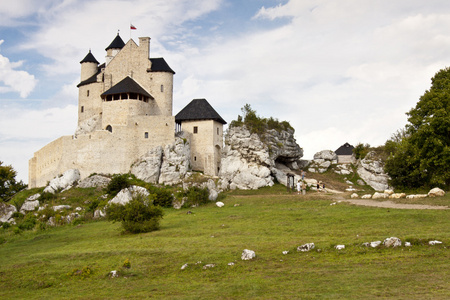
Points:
(101, 151)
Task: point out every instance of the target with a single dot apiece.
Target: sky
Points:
(337, 71)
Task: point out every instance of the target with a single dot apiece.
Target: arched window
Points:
(109, 128)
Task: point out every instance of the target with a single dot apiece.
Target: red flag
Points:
(132, 27)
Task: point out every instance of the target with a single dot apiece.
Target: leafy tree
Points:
(117, 183)
(8, 184)
(420, 154)
(361, 150)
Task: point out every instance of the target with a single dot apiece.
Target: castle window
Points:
(87, 94)
(195, 129)
(82, 109)
(109, 128)
(162, 88)
(217, 130)
(133, 96)
(124, 96)
(146, 135)
(195, 158)
(117, 97)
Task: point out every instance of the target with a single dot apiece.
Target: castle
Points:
(124, 110)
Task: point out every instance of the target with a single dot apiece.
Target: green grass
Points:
(45, 264)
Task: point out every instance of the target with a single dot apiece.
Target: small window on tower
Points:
(195, 158)
(87, 93)
(217, 130)
(162, 88)
(146, 135)
(195, 129)
(82, 109)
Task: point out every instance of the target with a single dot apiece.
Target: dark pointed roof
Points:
(160, 65)
(127, 85)
(117, 43)
(345, 149)
(89, 58)
(198, 109)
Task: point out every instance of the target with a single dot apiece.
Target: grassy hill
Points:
(73, 261)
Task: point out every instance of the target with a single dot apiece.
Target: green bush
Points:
(162, 197)
(117, 183)
(196, 196)
(28, 223)
(137, 216)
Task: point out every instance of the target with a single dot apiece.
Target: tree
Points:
(8, 184)
(420, 155)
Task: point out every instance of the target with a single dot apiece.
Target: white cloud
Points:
(14, 80)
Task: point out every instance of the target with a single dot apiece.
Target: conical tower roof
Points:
(117, 43)
(89, 58)
(198, 109)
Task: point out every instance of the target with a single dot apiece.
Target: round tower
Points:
(113, 48)
(89, 66)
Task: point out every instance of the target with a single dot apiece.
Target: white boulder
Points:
(397, 196)
(432, 243)
(354, 196)
(6, 212)
(29, 205)
(306, 247)
(377, 195)
(219, 204)
(248, 254)
(370, 169)
(68, 178)
(94, 181)
(417, 196)
(392, 242)
(436, 192)
(366, 196)
(339, 247)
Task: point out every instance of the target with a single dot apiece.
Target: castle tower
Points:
(113, 48)
(89, 66)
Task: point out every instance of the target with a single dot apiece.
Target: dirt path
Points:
(390, 204)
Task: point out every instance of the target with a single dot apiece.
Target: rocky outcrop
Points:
(370, 169)
(63, 182)
(94, 181)
(6, 212)
(322, 161)
(165, 166)
(249, 162)
(175, 163)
(127, 194)
(88, 125)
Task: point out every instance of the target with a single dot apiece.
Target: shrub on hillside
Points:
(137, 216)
(117, 183)
(162, 197)
(196, 196)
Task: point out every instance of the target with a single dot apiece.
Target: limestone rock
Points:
(417, 196)
(306, 247)
(88, 125)
(389, 192)
(371, 171)
(220, 204)
(94, 181)
(208, 266)
(392, 242)
(175, 163)
(366, 196)
(148, 167)
(127, 194)
(213, 194)
(360, 182)
(354, 196)
(339, 247)
(377, 195)
(247, 162)
(98, 213)
(184, 266)
(6, 212)
(68, 178)
(248, 254)
(432, 243)
(325, 155)
(436, 192)
(375, 244)
(61, 207)
(33, 197)
(29, 205)
(397, 196)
